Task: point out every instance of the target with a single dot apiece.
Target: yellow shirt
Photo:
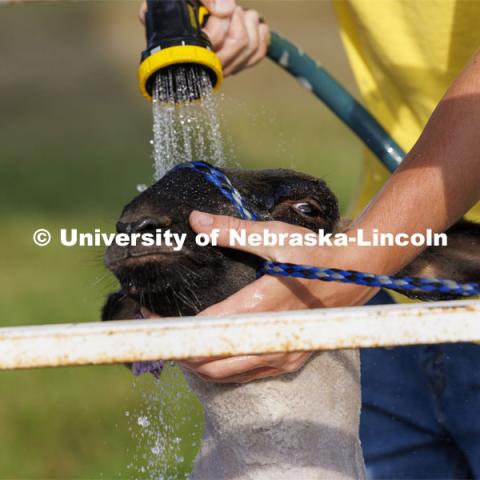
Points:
(404, 55)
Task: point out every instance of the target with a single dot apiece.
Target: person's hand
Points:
(238, 37)
(245, 368)
(271, 293)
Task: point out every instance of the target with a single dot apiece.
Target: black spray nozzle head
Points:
(170, 23)
(181, 83)
(175, 37)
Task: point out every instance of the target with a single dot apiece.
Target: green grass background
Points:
(74, 143)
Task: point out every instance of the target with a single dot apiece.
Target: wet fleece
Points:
(302, 425)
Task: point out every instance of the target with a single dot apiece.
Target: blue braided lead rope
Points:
(222, 182)
(391, 282)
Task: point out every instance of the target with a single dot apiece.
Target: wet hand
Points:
(275, 294)
(246, 368)
(272, 293)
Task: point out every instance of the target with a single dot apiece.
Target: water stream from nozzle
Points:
(185, 119)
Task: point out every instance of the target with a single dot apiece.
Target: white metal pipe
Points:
(179, 338)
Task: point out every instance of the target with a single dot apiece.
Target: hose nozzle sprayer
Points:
(178, 64)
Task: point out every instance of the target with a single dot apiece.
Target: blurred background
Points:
(74, 143)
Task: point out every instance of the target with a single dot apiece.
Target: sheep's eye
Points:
(305, 208)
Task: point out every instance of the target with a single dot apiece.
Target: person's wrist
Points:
(379, 259)
(337, 294)
(351, 257)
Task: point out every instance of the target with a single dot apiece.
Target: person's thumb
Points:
(237, 233)
(220, 8)
(142, 11)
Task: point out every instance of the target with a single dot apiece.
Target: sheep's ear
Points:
(458, 261)
(119, 306)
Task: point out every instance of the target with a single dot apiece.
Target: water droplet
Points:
(143, 421)
(156, 450)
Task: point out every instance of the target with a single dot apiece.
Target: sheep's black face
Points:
(185, 282)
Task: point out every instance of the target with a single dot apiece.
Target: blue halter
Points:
(392, 282)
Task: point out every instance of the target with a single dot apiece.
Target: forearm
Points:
(437, 182)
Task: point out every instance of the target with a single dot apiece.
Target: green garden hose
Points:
(316, 79)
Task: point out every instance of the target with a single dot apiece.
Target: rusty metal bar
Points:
(322, 329)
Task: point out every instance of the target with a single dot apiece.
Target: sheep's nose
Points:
(144, 224)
